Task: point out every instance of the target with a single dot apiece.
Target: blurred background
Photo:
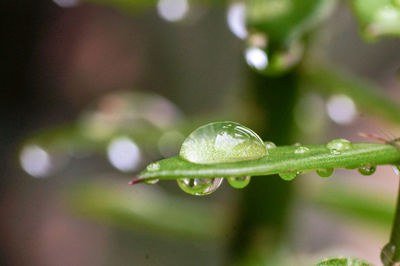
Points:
(93, 91)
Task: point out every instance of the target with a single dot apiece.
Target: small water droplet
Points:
(222, 142)
(367, 169)
(396, 169)
(337, 146)
(239, 182)
(199, 186)
(301, 150)
(387, 254)
(325, 172)
(151, 181)
(288, 176)
(153, 167)
(269, 145)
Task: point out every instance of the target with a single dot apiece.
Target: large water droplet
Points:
(301, 150)
(221, 142)
(337, 146)
(387, 254)
(288, 176)
(367, 169)
(239, 182)
(326, 172)
(269, 145)
(199, 186)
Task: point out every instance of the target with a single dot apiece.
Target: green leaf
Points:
(343, 261)
(377, 18)
(371, 207)
(281, 159)
(148, 209)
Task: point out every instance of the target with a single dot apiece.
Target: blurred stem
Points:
(391, 252)
(260, 226)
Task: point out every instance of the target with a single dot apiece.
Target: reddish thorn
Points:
(372, 137)
(134, 181)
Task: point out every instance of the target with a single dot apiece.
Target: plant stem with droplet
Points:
(391, 252)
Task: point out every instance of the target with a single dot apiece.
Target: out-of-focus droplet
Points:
(66, 3)
(169, 143)
(337, 146)
(285, 58)
(341, 109)
(288, 176)
(325, 172)
(128, 112)
(236, 19)
(199, 186)
(239, 182)
(256, 58)
(35, 161)
(124, 154)
(367, 169)
(173, 10)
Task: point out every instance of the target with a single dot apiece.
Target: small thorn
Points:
(372, 137)
(134, 181)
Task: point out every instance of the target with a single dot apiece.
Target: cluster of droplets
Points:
(224, 142)
(220, 142)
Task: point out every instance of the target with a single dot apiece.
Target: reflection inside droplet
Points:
(341, 109)
(124, 154)
(35, 161)
(236, 18)
(257, 58)
(172, 10)
(66, 3)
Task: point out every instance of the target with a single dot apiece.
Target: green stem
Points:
(391, 252)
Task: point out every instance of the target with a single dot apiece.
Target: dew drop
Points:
(367, 170)
(199, 186)
(396, 169)
(337, 146)
(222, 142)
(151, 181)
(387, 254)
(269, 145)
(153, 167)
(325, 172)
(301, 150)
(288, 176)
(239, 182)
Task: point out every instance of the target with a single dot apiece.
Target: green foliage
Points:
(377, 18)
